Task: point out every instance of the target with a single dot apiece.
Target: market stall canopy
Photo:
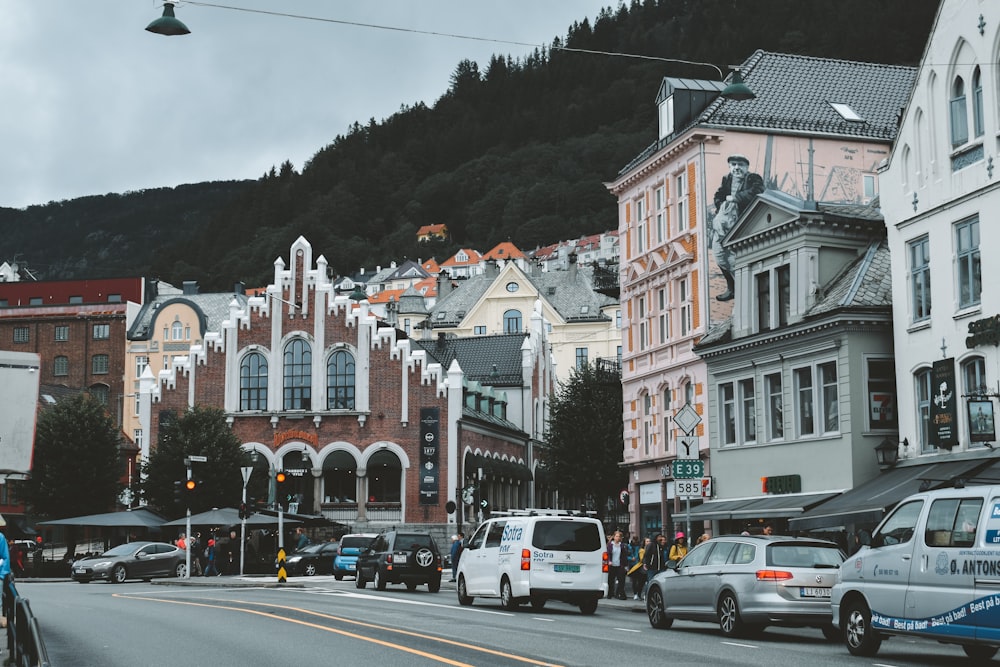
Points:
(227, 516)
(137, 518)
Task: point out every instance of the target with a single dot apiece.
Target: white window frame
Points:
(141, 361)
(774, 407)
(686, 307)
(727, 414)
(681, 185)
(919, 258)
(968, 269)
(746, 398)
(815, 396)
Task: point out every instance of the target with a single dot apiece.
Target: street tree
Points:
(200, 431)
(77, 465)
(583, 444)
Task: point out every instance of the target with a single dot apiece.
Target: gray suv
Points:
(399, 557)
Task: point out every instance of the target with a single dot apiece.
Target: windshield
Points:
(355, 542)
(123, 549)
(804, 555)
(407, 541)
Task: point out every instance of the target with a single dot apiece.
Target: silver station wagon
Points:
(747, 582)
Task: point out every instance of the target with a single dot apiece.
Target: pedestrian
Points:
(636, 573)
(679, 548)
(210, 569)
(194, 547)
(457, 547)
(705, 537)
(301, 539)
(768, 529)
(181, 541)
(7, 577)
(617, 565)
(654, 560)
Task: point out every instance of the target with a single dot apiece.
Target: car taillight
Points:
(388, 562)
(525, 559)
(604, 562)
(773, 575)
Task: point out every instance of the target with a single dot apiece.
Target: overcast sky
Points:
(91, 103)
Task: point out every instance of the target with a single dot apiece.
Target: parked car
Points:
(747, 582)
(312, 559)
(410, 558)
(931, 571)
(535, 556)
(346, 559)
(132, 560)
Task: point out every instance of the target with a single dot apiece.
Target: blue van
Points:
(345, 562)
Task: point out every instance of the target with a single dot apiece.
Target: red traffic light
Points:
(279, 477)
(190, 485)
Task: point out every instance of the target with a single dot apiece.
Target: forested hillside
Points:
(515, 149)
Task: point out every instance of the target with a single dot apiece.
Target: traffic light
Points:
(281, 488)
(190, 486)
(178, 489)
(243, 511)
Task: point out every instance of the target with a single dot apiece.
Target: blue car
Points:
(345, 561)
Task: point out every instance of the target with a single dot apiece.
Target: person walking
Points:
(210, 569)
(457, 547)
(635, 572)
(654, 560)
(194, 546)
(617, 565)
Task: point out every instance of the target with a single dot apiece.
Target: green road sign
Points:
(687, 468)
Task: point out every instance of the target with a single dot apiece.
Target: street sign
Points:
(197, 459)
(687, 469)
(706, 487)
(687, 488)
(687, 447)
(687, 418)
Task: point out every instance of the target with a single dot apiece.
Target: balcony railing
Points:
(606, 279)
(374, 512)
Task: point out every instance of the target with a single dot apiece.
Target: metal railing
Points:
(24, 637)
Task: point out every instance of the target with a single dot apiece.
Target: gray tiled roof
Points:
(412, 302)
(570, 293)
(794, 94)
(213, 309)
(490, 360)
(407, 269)
(865, 284)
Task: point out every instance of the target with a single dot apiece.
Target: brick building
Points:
(370, 428)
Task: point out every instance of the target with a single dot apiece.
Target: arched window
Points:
(512, 321)
(298, 375)
(100, 393)
(978, 126)
(974, 375)
(60, 365)
(958, 113)
(177, 330)
(253, 382)
(385, 474)
(340, 381)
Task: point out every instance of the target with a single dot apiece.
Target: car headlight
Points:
(102, 565)
(294, 559)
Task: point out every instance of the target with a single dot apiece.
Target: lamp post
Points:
(887, 452)
(168, 24)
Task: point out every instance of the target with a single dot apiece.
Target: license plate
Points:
(814, 592)
(399, 558)
(351, 566)
(567, 568)
(80, 570)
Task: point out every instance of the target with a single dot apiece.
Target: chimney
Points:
(239, 288)
(441, 340)
(190, 287)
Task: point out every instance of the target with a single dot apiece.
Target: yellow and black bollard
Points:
(282, 577)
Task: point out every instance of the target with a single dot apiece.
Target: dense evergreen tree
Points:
(583, 443)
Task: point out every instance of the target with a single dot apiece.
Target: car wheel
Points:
(831, 633)
(656, 609)
(729, 616)
(180, 571)
(338, 577)
(434, 585)
(378, 580)
(507, 600)
(589, 607)
(537, 603)
(464, 598)
(118, 574)
(859, 636)
(310, 570)
(978, 652)
(359, 581)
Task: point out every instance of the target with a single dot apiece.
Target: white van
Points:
(933, 570)
(534, 556)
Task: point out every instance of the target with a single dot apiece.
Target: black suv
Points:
(410, 558)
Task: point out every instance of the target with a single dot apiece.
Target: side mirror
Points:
(672, 564)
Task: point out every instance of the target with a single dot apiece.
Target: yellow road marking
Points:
(345, 633)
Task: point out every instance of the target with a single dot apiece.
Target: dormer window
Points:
(773, 297)
(667, 117)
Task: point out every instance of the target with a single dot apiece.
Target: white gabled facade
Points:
(940, 196)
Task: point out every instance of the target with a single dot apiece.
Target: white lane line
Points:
(547, 620)
(627, 629)
(737, 644)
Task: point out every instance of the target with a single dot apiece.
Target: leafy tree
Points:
(76, 468)
(200, 431)
(584, 439)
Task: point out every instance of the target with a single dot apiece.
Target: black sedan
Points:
(312, 559)
(132, 560)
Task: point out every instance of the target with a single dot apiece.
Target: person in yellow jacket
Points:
(679, 548)
(636, 574)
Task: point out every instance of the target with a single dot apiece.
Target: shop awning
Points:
(869, 502)
(763, 507)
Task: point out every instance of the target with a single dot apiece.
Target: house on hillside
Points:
(438, 232)
(817, 131)
(463, 264)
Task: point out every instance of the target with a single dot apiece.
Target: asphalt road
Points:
(226, 621)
